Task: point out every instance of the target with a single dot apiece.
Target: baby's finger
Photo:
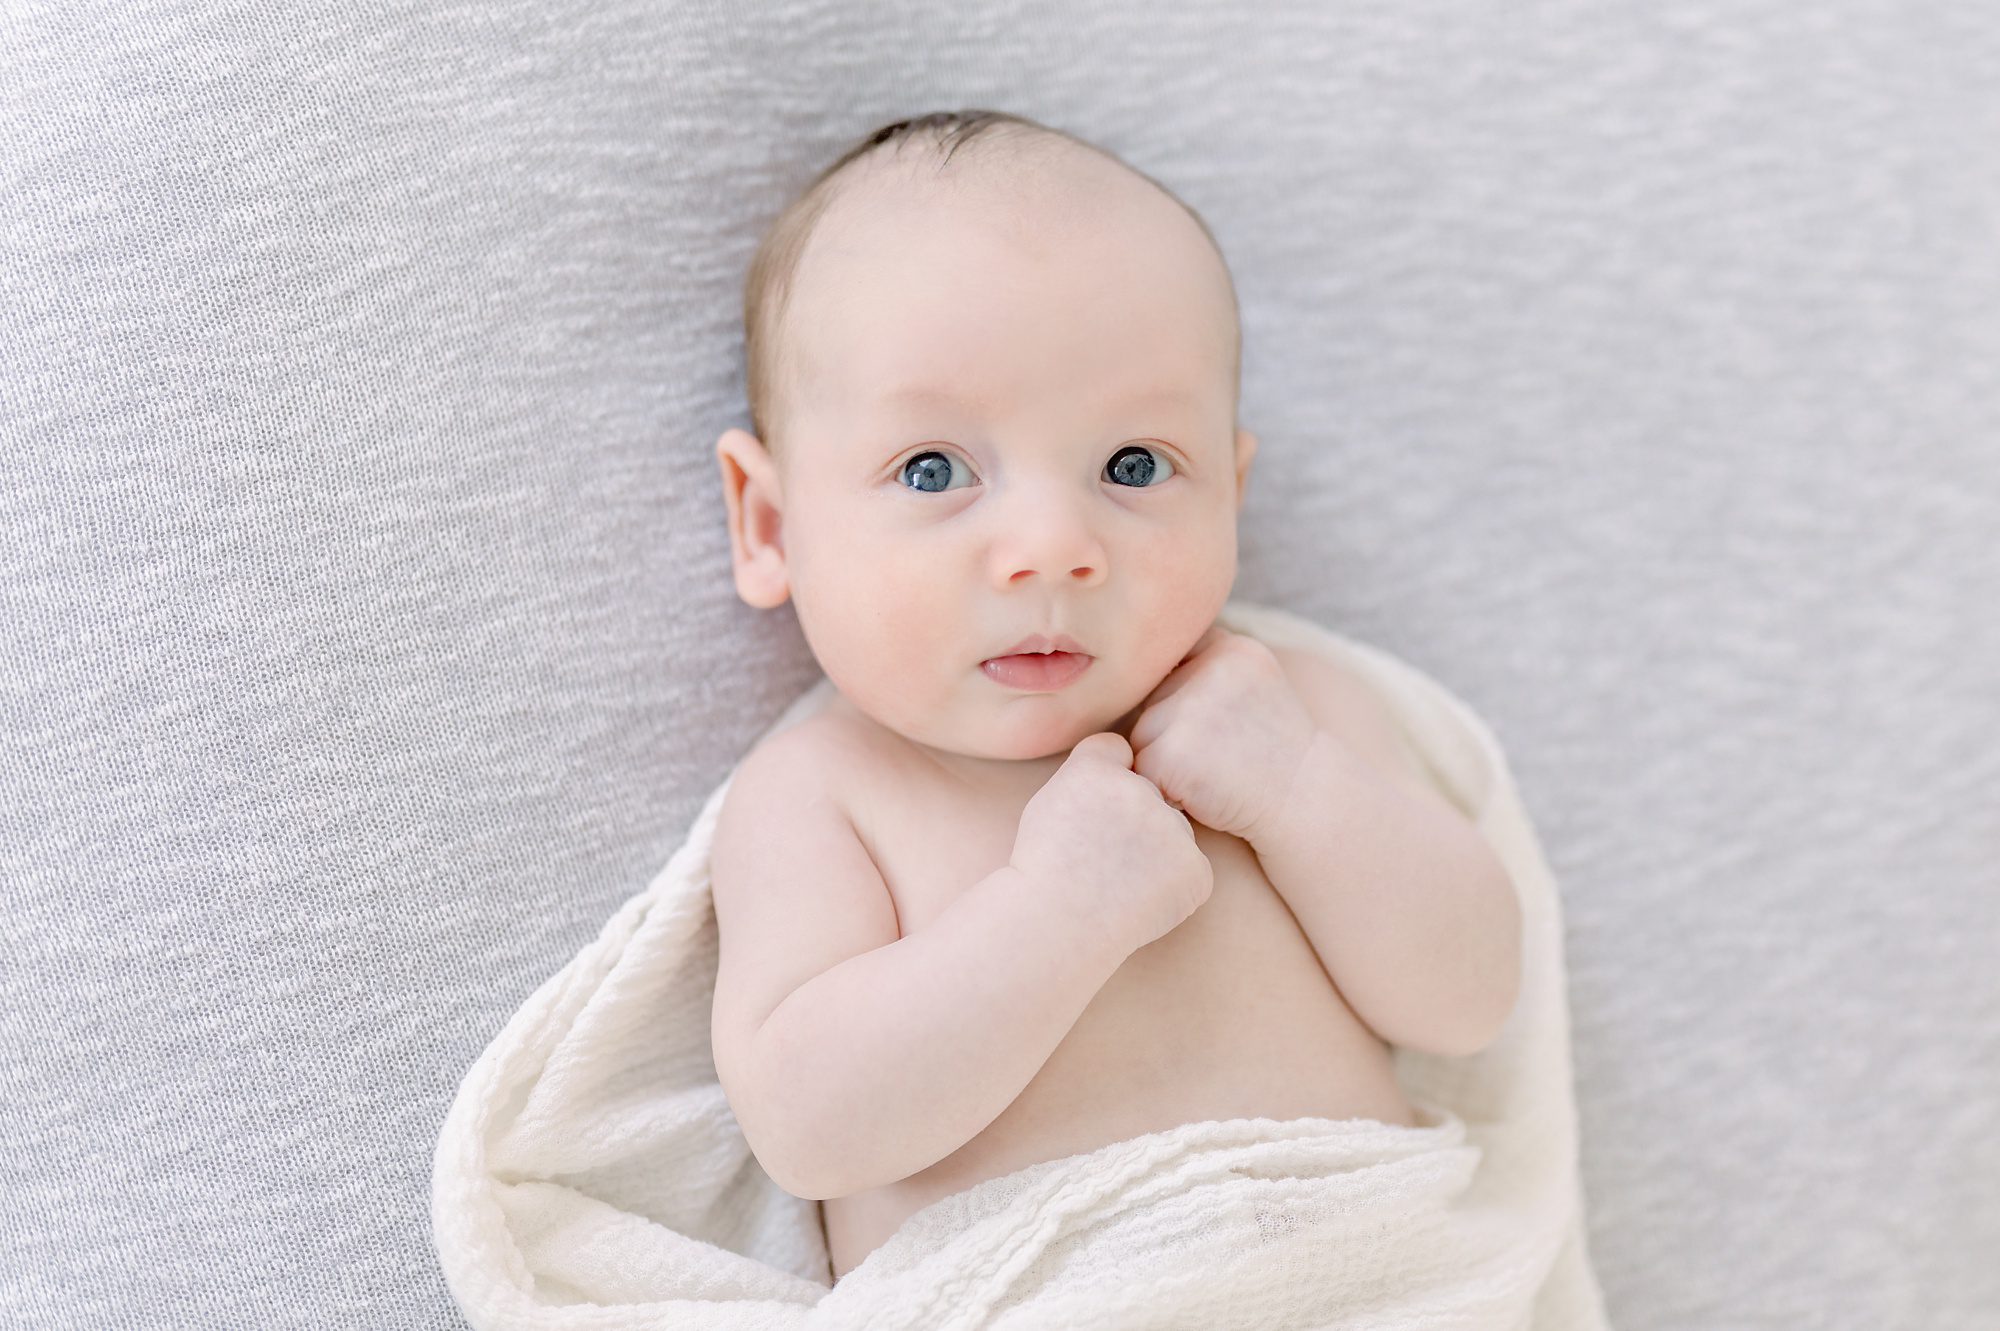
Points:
(1106, 744)
(1148, 728)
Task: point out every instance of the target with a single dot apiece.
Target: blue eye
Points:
(928, 466)
(1131, 467)
(1136, 465)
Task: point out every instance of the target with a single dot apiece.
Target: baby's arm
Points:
(1408, 906)
(892, 1060)
(854, 1058)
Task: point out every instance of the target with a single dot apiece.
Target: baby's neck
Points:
(1011, 778)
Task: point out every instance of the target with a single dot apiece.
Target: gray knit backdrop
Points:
(367, 634)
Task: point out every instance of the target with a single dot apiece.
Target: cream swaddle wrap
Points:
(590, 1172)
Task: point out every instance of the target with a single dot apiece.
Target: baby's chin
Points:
(1047, 737)
(1032, 729)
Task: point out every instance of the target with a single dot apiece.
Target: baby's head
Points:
(993, 376)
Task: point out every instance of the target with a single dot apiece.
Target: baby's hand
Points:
(1223, 734)
(1098, 836)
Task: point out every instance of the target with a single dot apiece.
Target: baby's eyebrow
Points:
(927, 395)
(923, 395)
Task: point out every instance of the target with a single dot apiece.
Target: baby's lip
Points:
(1042, 643)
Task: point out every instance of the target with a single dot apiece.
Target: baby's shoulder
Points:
(825, 751)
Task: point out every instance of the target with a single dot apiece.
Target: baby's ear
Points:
(751, 492)
(1246, 449)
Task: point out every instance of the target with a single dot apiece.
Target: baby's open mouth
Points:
(1036, 672)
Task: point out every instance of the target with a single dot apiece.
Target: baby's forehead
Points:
(908, 259)
(1047, 195)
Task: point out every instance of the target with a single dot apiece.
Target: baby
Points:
(1063, 861)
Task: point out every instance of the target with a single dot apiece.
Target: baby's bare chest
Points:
(1239, 958)
(1228, 1015)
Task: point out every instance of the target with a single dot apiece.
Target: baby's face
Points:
(1014, 416)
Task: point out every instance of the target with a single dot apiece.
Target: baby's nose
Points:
(1053, 542)
(1081, 573)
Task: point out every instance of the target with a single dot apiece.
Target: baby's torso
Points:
(1230, 1015)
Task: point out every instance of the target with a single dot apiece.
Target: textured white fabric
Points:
(590, 1172)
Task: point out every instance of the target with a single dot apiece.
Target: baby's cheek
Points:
(907, 618)
(1176, 599)
(1192, 565)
